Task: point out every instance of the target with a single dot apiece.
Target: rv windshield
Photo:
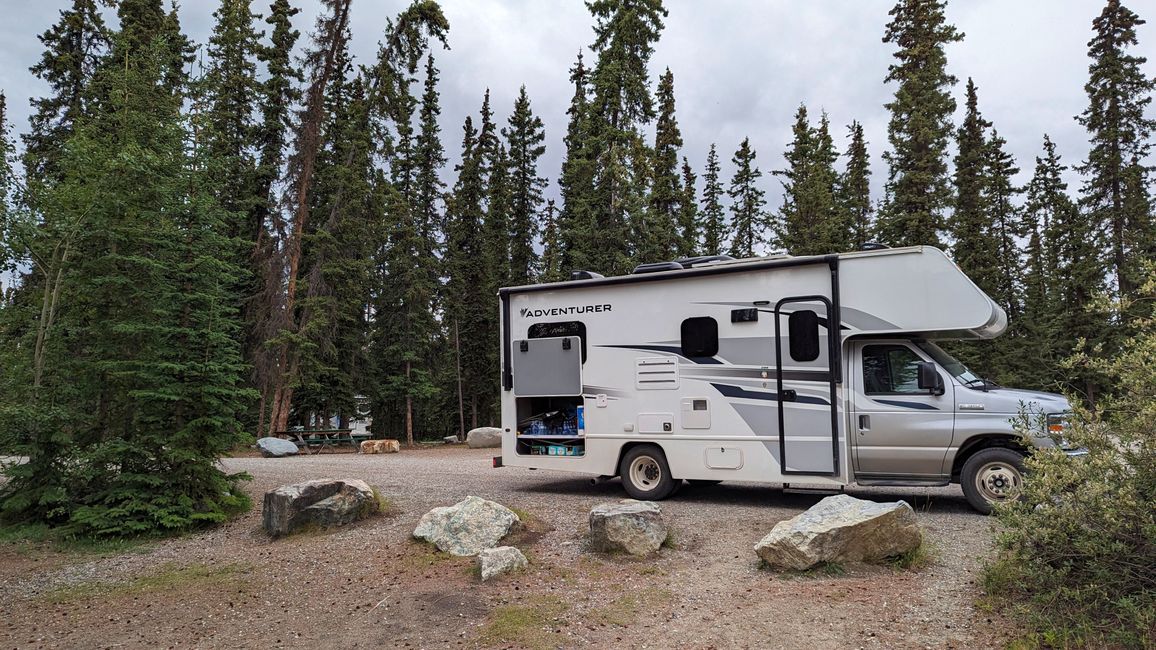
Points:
(949, 363)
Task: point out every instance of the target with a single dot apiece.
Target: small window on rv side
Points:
(555, 330)
(699, 337)
(803, 334)
(890, 369)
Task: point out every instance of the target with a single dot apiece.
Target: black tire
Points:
(645, 474)
(992, 475)
(702, 482)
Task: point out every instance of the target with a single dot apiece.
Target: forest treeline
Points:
(214, 242)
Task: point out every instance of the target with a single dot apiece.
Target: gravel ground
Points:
(369, 585)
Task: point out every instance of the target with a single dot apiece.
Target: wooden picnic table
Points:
(319, 439)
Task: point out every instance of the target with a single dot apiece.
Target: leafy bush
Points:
(1078, 554)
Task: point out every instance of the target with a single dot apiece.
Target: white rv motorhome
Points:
(798, 370)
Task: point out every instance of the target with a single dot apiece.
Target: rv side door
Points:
(900, 429)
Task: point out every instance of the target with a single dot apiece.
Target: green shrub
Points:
(1077, 555)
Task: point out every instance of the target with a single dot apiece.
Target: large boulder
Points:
(276, 447)
(841, 528)
(493, 562)
(484, 437)
(468, 527)
(322, 502)
(628, 526)
(388, 446)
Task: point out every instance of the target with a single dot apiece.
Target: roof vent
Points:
(657, 267)
(688, 262)
(585, 275)
(873, 246)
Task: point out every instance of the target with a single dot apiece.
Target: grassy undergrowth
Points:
(169, 577)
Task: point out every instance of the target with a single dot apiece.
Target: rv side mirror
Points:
(929, 378)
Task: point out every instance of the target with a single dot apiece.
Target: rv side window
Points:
(890, 369)
(699, 337)
(555, 330)
(803, 331)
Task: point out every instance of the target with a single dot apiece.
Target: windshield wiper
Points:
(984, 383)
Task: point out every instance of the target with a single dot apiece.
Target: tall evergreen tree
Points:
(524, 138)
(659, 239)
(974, 249)
(625, 32)
(1000, 199)
(809, 222)
(9, 248)
(139, 380)
(1119, 93)
(262, 310)
(1078, 272)
(74, 49)
(688, 230)
(551, 245)
(854, 189)
(429, 159)
(920, 126)
(749, 224)
(576, 183)
(713, 217)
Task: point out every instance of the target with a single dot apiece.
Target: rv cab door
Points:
(900, 430)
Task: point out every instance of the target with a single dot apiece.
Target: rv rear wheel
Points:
(645, 474)
(992, 475)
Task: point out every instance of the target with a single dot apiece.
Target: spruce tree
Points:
(74, 49)
(920, 125)
(713, 218)
(1119, 94)
(1000, 197)
(625, 33)
(749, 222)
(551, 245)
(9, 247)
(576, 183)
(1079, 271)
(278, 94)
(659, 239)
(429, 159)
(688, 230)
(973, 249)
(809, 222)
(854, 189)
(525, 139)
(140, 380)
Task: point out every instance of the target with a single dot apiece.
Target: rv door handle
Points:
(789, 395)
(864, 423)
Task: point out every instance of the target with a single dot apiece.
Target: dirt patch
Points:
(371, 585)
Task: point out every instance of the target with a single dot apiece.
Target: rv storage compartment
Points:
(550, 426)
(547, 367)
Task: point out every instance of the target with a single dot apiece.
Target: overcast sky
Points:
(741, 67)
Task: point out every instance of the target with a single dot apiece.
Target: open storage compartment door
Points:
(547, 375)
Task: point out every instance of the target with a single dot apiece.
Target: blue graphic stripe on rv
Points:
(909, 405)
(735, 391)
(670, 349)
(757, 373)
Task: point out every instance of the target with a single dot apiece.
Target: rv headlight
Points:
(1057, 424)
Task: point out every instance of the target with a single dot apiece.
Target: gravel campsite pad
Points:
(371, 585)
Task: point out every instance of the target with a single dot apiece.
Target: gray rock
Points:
(628, 526)
(484, 438)
(322, 502)
(467, 527)
(841, 528)
(493, 562)
(451, 440)
(276, 447)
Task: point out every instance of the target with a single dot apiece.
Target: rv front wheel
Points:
(992, 475)
(645, 474)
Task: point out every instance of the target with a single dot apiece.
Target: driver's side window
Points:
(890, 369)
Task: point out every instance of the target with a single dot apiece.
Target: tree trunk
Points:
(461, 404)
(408, 408)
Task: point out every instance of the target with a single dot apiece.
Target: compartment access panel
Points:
(547, 367)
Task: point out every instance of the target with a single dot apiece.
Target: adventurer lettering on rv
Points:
(563, 311)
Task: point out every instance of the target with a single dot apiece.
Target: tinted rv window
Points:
(803, 331)
(890, 369)
(555, 330)
(699, 337)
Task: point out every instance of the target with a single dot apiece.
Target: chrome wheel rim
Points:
(645, 473)
(998, 481)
